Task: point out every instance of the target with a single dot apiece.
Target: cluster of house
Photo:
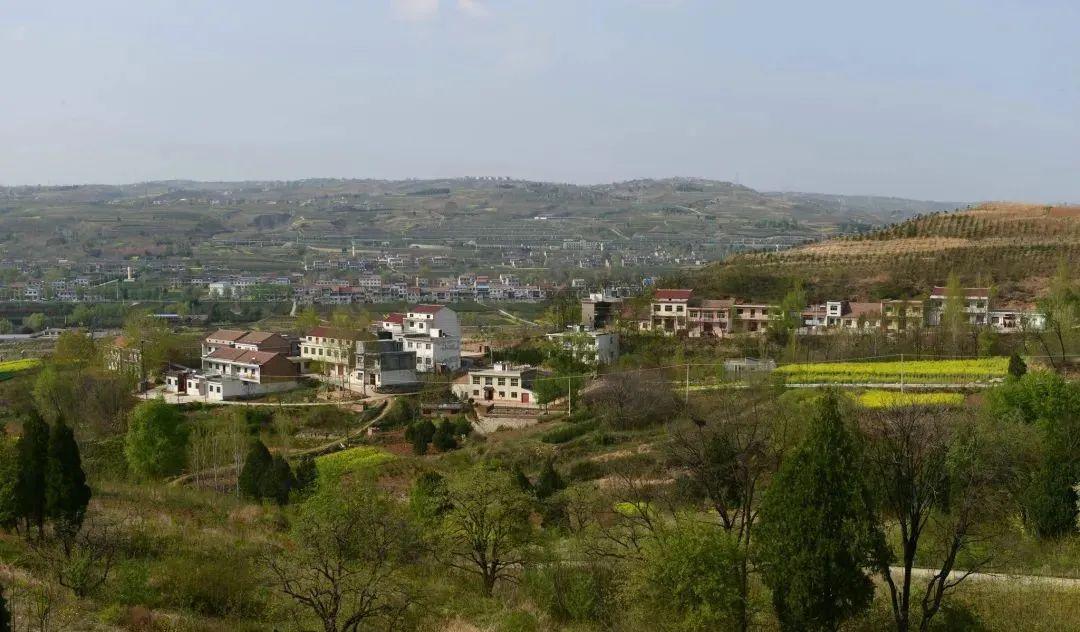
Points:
(372, 289)
(678, 311)
(238, 364)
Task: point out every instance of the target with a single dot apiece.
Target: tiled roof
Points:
(673, 295)
(255, 337)
(864, 309)
(242, 356)
(395, 318)
(426, 309)
(231, 335)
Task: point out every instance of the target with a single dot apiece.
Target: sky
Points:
(945, 99)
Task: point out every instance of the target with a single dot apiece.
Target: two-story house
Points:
(433, 333)
(501, 385)
(334, 348)
(975, 304)
(588, 345)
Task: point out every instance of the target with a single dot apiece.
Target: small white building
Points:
(384, 366)
(587, 345)
(501, 385)
(433, 333)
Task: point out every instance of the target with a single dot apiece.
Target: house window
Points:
(476, 392)
(476, 379)
(487, 381)
(502, 394)
(513, 395)
(513, 381)
(502, 381)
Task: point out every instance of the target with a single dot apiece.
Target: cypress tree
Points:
(421, 434)
(33, 465)
(818, 533)
(549, 482)
(277, 481)
(66, 492)
(5, 614)
(306, 474)
(1017, 366)
(444, 438)
(255, 467)
(522, 480)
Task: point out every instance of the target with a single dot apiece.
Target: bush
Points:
(573, 593)
(218, 585)
(568, 432)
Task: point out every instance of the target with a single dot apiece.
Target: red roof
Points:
(230, 335)
(426, 309)
(395, 318)
(242, 356)
(673, 295)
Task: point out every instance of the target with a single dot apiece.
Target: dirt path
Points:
(1004, 578)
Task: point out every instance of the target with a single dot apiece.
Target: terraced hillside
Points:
(185, 219)
(1014, 247)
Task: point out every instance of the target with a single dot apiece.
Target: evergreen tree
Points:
(1017, 366)
(66, 492)
(818, 535)
(420, 434)
(257, 463)
(306, 474)
(549, 482)
(521, 480)
(9, 482)
(33, 466)
(443, 438)
(277, 481)
(5, 614)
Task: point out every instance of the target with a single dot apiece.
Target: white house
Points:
(384, 365)
(501, 385)
(587, 345)
(434, 334)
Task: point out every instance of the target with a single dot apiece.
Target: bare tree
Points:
(84, 564)
(732, 444)
(346, 560)
(938, 469)
(633, 400)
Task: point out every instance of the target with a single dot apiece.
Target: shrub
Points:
(568, 432)
(573, 593)
(218, 584)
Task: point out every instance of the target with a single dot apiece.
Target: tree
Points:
(1057, 337)
(732, 444)
(307, 320)
(277, 481)
(306, 474)
(5, 326)
(66, 493)
(420, 435)
(690, 577)
(5, 614)
(444, 439)
(954, 318)
(156, 442)
(9, 483)
(346, 559)
(1017, 367)
(934, 469)
(156, 342)
(33, 468)
(817, 531)
(256, 465)
(35, 321)
(487, 528)
(55, 393)
(627, 401)
(75, 348)
(549, 482)
(427, 498)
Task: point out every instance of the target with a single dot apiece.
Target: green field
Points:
(895, 372)
(11, 367)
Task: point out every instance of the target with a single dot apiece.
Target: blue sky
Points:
(947, 100)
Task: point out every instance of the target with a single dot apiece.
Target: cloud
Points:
(473, 7)
(415, 10)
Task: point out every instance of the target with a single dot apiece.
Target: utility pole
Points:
(901, 373)
(686, 399)
(569, 396)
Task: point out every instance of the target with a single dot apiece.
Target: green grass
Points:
(913, 372)
(891, 399)
(9, 368)
(359, 459)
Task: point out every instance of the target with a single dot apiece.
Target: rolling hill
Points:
(1014, 247)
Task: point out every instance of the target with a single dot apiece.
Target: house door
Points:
(489, 393)
(524, 398)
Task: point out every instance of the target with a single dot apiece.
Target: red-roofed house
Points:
(669, 311)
